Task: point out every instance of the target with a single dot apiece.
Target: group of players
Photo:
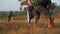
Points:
(35, 9)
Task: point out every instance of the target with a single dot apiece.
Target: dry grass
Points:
(19, 25)
(23, 28)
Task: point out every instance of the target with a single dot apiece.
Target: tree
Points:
(53, 6)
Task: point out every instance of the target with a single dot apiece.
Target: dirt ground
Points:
(23, 28)
(19, 25)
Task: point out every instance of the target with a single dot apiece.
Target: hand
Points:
(29, 3)
(48, 6)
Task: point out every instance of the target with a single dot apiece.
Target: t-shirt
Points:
(43, 3)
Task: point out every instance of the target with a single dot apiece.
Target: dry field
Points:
(19, 25)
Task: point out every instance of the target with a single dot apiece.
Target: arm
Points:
(49, 5)
(29, 2)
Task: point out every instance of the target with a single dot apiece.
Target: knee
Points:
(37, 17)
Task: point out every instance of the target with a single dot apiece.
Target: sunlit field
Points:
(19, 25)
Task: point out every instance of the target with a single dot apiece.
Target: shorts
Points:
(40, 9)
(31, 12)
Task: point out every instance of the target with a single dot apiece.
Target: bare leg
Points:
(28, 18)
(30, 14)
(37, 17)
(50, 21)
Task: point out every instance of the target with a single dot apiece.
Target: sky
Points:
(7, 5)
(56, 1)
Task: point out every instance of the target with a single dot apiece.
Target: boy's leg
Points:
(48, 16)
(37, 10)
(30, 14)
(37, 17)
(28, 18)
(50, 21)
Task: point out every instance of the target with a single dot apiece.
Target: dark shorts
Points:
(40, 9)
(31, 12)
